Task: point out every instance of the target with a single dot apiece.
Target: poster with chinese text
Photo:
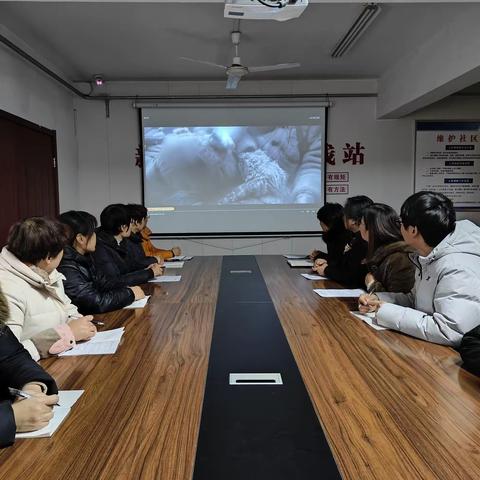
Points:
(447, 160)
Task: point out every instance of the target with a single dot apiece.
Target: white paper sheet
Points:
(296, 257)
(179, 257)
(108, 335)
(309, 276)
(174, 264)
(300, 263)
(339, 292)
(67, 399)
(166, 279)
(138, 303)
(103, 343)
(369, 320)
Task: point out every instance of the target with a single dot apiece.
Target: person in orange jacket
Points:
(145, 233)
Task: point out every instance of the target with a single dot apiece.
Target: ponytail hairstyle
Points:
(78, 222)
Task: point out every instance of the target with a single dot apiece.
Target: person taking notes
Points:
(18, 371)
(444, 303)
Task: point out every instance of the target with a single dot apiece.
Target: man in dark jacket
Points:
(133, 243)
(111, 258)
(20, 371)
(350, 269)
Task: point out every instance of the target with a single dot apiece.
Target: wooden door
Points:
(29, 183)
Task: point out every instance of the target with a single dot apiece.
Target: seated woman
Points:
(470, 351)
(148, 247)
(20, 371)
(389, 266)
(88, 289)
(350, 269)
(42, 317)
(111, 256)
(335, 235)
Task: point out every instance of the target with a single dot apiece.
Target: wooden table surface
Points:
(392, 407)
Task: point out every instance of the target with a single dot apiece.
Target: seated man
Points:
(133, 243)
(141, 236)
(444, 303)
(111, 257)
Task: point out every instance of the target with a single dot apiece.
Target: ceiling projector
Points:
(280, 10)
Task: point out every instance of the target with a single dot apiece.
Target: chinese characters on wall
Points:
(447, 160)
(350, 154)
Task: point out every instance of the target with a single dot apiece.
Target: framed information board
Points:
(447, 160)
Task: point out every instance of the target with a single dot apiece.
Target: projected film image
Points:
(233, 165)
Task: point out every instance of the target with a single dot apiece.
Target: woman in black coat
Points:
(88, 289)
(18, 370)
(350, 269)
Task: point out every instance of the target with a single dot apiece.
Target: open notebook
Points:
(67, 399)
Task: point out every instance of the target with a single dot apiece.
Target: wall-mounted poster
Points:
(447, 160)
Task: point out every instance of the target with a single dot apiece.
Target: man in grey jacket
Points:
(444, 303)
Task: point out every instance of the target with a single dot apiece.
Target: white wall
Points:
(107, 172)
(31, 95)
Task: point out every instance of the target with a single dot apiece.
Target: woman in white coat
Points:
(41, 315)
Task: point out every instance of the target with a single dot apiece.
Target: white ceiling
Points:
(142, 41)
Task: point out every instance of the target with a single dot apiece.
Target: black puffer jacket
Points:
(470, 350)
(350, 269)
(336, 240)
(133, 245)
(113, 261)
(16, 369)
(89, 290)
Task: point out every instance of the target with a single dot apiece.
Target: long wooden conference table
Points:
(390, 406)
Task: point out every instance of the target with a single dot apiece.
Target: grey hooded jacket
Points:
(444, 303)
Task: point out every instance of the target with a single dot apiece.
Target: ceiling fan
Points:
(236, 70)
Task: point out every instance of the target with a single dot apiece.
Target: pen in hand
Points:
(15, 392)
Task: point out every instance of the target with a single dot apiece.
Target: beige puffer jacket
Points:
(39, 308)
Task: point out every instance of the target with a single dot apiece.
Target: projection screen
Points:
(226, 170)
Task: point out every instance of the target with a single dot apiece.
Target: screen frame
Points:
(220, 235)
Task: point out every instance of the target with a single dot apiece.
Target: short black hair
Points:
(34, 239)
(432, 213)
(114, 217)
(137, 212)
(78, 222)
(354, 207)
(330, 213)
(383, 226)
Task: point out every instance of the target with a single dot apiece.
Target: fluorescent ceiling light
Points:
(356, 30)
